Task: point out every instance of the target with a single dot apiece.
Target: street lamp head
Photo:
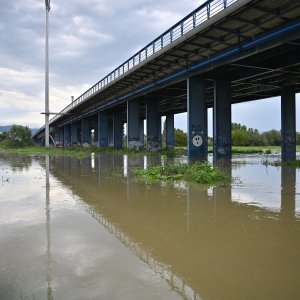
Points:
(47, 2)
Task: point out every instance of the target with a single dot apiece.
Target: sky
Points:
(87, 40)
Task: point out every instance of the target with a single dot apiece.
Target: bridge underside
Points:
(253, 46)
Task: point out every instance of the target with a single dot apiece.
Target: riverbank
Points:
(79, 151)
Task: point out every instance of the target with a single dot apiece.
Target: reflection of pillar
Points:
(197, 119)
(222, 120)
(85, 132)
(170, 131)
(288, 124)
(103, 129)
(153, 127)
(133, 125)
(288, 191)
(222, 195)
(117, 130)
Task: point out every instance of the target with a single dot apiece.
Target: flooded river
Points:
(87, 229)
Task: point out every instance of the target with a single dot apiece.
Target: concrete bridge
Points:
(224, 52)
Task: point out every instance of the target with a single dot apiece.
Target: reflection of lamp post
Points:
(49, 269)
(47, 2)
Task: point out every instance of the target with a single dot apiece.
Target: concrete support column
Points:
(197, 119)
(222, 120)
(85, 132)
(61, 136)
(56, 137)
(170, 131)
(74, 133)
(67, 135)
(103, 129)
(96, 133)
(288, 124)
(153, 127)
(142, 138)
(117, 130)
(133, 125)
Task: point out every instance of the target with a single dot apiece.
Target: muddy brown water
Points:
(87, 229)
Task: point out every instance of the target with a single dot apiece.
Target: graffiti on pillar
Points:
(223, 145)
(152, 143)
(197, 140)
(135, 144)
(288, 142)
(196, 135)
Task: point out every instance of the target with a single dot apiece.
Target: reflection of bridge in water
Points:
(200, 241)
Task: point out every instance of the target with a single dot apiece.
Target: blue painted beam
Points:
(133, 125)
(288, 124)
(197, 119)
(170, 131)
(245, 49)
(222, 120)
(103, 129)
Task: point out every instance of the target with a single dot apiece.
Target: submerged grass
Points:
(198, 172)
(293, 163)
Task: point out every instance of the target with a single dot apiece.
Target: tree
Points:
(273, 137)
(180, 138)
(18, 136)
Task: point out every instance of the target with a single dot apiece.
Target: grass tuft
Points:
(198, 172)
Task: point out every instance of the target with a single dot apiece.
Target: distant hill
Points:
(7, 127)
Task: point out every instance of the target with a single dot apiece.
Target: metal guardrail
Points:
(195, 18)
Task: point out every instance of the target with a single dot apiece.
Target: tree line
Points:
(16, 137)
(241, 136)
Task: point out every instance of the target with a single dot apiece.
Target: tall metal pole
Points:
(47, 2)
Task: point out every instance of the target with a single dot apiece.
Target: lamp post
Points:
(47, 2)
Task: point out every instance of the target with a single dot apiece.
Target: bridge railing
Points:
(195, 18)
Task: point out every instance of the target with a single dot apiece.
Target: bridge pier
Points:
(74, 133)
(133, 125)
(103, 129)
(170, 131)
(197, 119)
(222, 120)
(94, 137)
(117, 130)
(85, 132)
(288, 124)
(142, 138)
(153, 127)
(67, 135)
(61, 136)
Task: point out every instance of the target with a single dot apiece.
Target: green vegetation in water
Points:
(293, 163)
(198, 172)
(79, 152)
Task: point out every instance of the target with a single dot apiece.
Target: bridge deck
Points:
(201, 45)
